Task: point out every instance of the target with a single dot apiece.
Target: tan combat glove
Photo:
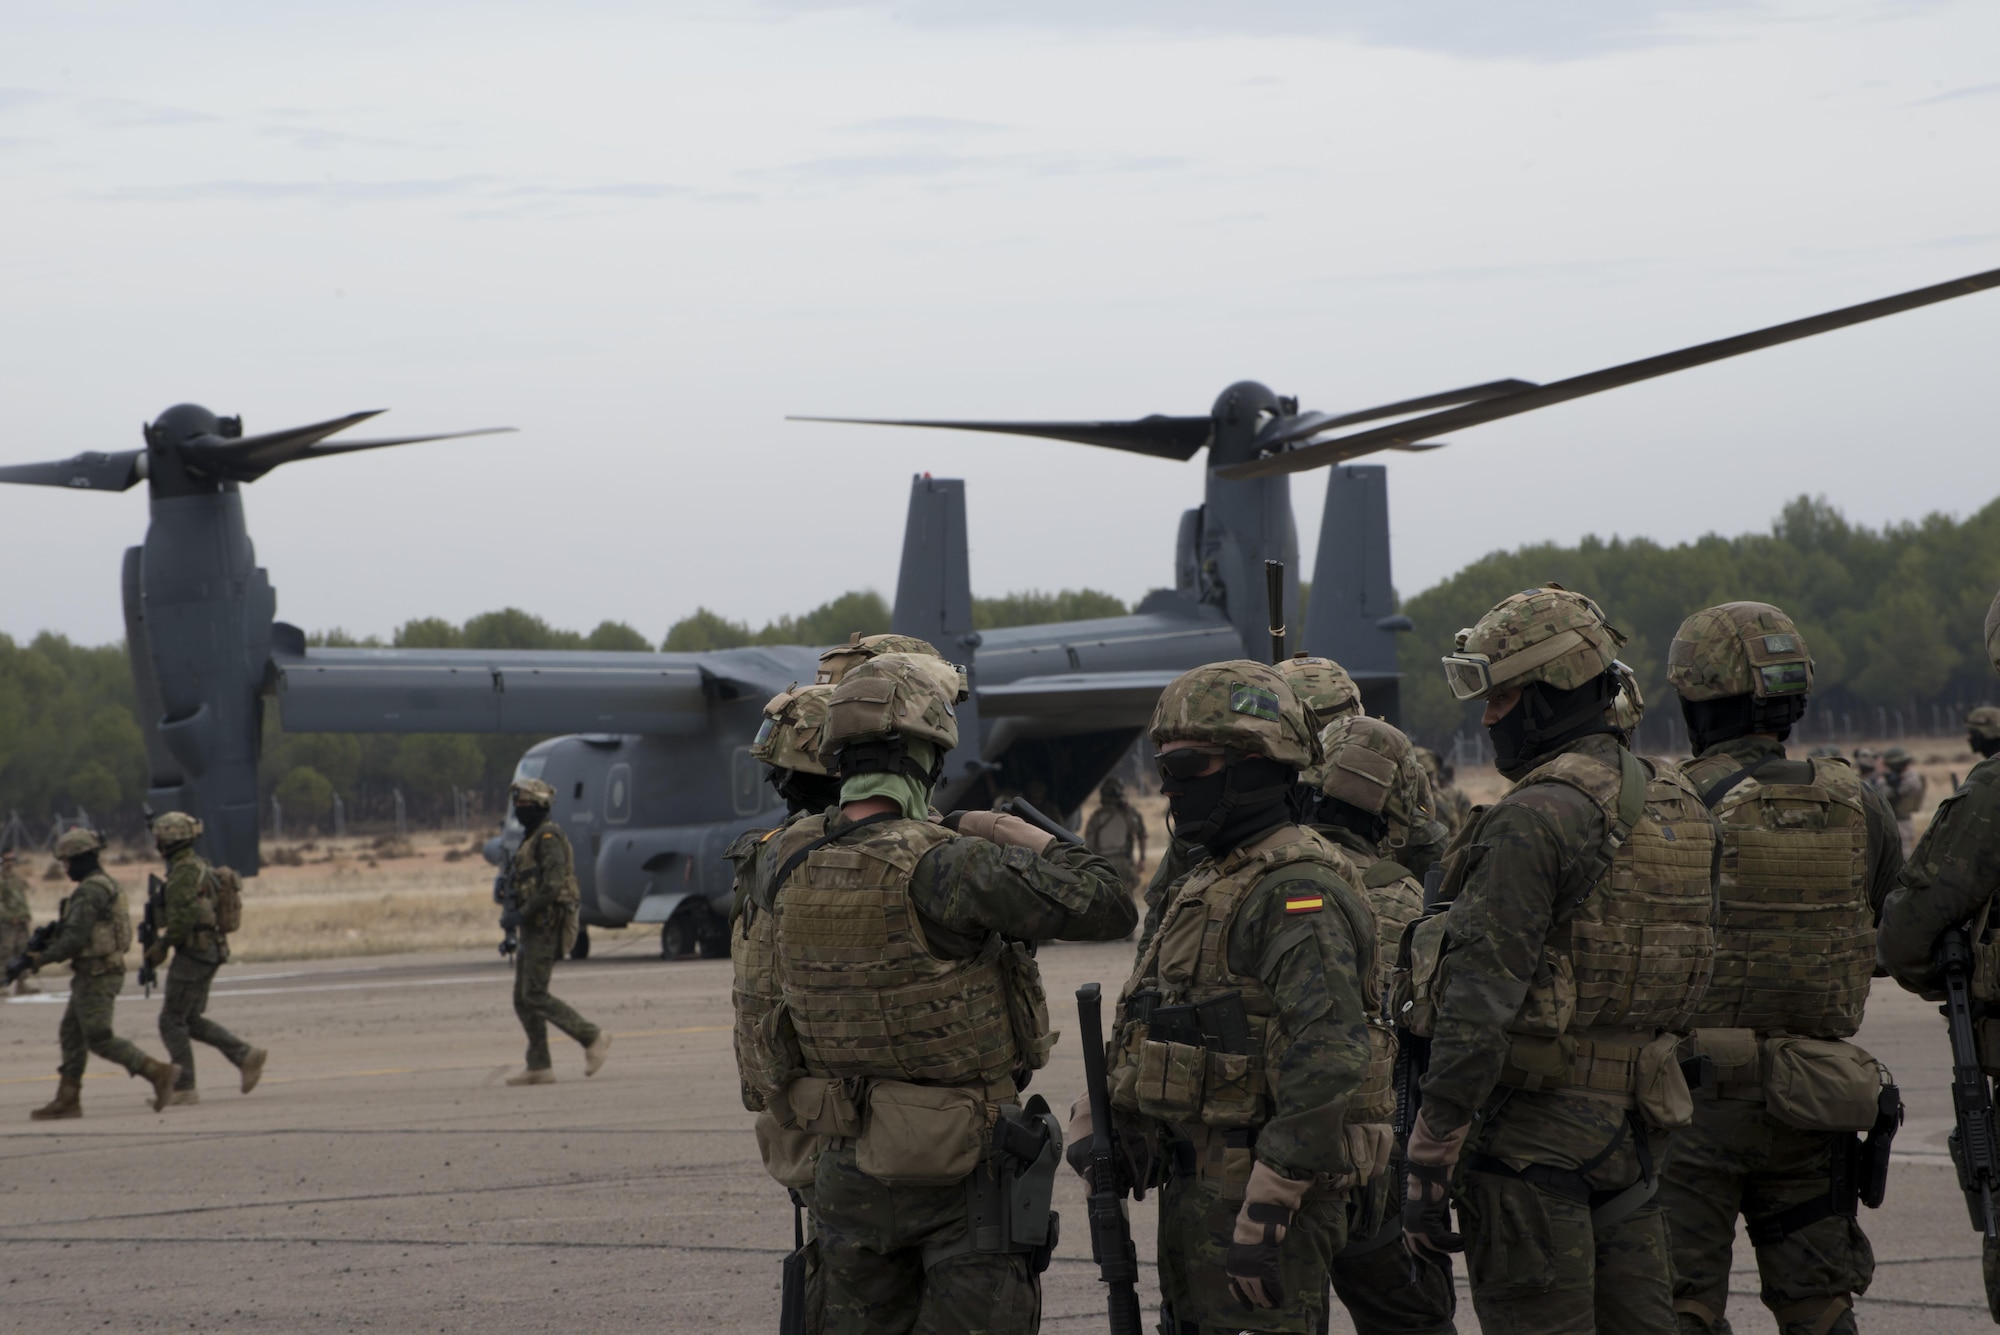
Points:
(1076, 1140)
(996, 828)
(1368, 1147)
(1269, 1204)
(156, 954)
(1427, 1207)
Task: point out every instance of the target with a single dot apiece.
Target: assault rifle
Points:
(1975, 1144)
(1274, 602)
(1110, 1229)
(38, 941)
(150, 923)
(509, 901)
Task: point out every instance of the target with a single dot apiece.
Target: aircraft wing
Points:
(1077, 701)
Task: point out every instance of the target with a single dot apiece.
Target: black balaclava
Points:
(530, 817)
(1985, 746)
(1222, 811)
(804, 791)
(1546, 719)
(1370, 826)
(1712, 721)
(81, 866)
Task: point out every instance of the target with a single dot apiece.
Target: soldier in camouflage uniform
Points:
(1950, 881)
(199, 949)
(1267, 934)
(1362, 792)
(1117, 833)
(17, 918)
(1453, 807)
(1982, 731)
(913, 1016)
(1558, 985)
(96, 933)
(542, 878)
(1903, 787)
(1809, 852)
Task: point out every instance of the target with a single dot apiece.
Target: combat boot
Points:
(594, 1055)
(67, 1103)
(183, 1097)
(541, 1075)
(164, 1076)
(253, 1068)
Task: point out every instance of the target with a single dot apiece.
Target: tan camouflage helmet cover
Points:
(1322, 685)
(175, 827)
(789, 737)
(532, 793)
(1993, 633)
(76, 841)
(893, 695)
(1548, 635)
(1371, 764)
(1241, 704)
(838, 661)
(1739, 649)
(1984, 721)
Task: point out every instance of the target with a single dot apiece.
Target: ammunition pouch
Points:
(1194, 1063)
(1011, 1190)
(790, 1154)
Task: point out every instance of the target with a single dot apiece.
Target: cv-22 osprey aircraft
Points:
(653, 776)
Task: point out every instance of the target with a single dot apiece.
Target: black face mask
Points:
(80, 866)
(806, 792)
(530, 817)
(1226, 809)
(1544, 720)
(1732, 716)
(1985, 746)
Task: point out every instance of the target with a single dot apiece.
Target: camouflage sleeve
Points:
(1315, 968)
(1498, 926)
(14, 900)
(81, 911)
(1885, 848)
(183, 902)
(551, 862)
(1424, 847)
(971, 888)
(1948, 879)
(1159, 891)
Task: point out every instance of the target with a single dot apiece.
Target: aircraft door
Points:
(618, 794)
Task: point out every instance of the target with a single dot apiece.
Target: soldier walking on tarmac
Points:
(1809, 852)
(17, 919)
(542, 880)
(195, 931)
(96, 932)
(1116, 832)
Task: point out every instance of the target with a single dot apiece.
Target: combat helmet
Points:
(788, 742)
(892, 713)
(1547, 635)
(1322, 686)
(1628, 707)
(171, 828)
(76, 841)
(1371, 766)
(532, 793)
(1242, 706)
(1739, 668)
(840, 660)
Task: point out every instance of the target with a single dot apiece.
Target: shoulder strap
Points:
(1590, 866)
(1718, 790)
(792, 863)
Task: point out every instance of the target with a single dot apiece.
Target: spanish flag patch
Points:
(1304, 903)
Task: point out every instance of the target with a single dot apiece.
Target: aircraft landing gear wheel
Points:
(581, 950)
(676, 937)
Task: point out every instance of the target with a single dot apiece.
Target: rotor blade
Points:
(89, 471)
(248, 457)
(1287, 430)
(1161, 437)
(329, 448)
(1388, 437)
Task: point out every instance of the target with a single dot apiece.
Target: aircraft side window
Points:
(618, 795)
(578, 794)
(746, 787)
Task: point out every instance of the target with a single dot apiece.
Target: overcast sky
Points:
(642, 233)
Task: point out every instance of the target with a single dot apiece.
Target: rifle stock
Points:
(1110, 1228)
(1975, 1144)
(149, 929)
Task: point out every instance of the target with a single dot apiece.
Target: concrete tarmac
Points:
(383, 1178)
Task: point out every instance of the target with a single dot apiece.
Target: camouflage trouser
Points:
(1195, 1228)
(1737, 1158)
(1537, 1262)
(872, 1243)
(182, 1018)
(1373, 1275)
(534, 963)
(14, 937)
(86, 1026)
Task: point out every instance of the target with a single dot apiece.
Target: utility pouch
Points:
(1986, 1038)
(774, 1059)
(1662, 1088)
(920, 1135)
(1821, 1085)
(1027, 1005)
(1009, 1194)
(1418, 981)
(791, 1155)
(1170, 1080)
(820, 1106)
(1734, 1058)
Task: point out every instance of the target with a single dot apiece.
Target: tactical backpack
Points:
(225, 888)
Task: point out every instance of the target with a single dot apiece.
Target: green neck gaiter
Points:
(912, 795)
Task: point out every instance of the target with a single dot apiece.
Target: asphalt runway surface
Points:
(383, 1178)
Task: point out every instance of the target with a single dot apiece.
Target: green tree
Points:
(704, 630)
(429, 633)
(831, 622)
(616, 636)
(511, 628)
(306, 795)
(1034, 608)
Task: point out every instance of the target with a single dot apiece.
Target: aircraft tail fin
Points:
(1352, 615)
(934, 602)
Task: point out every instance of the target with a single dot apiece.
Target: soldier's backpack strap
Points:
(1715, 792)
(1590, 865)
(796, 860)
